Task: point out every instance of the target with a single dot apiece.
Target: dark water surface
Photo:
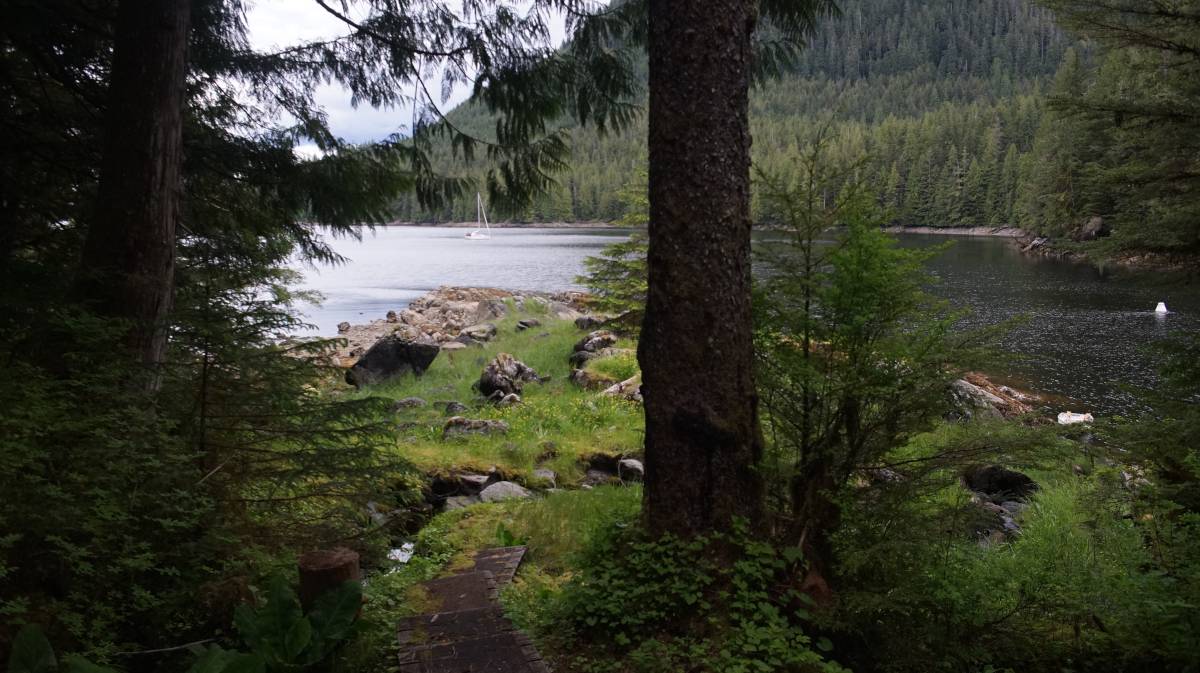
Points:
(1083, 339)
(1085, 333)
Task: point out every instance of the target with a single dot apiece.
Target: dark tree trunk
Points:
(703, 441)
(128, 265)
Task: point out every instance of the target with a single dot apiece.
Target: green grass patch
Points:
(555, 426)
(618, 367)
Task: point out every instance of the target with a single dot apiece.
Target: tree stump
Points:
(325, 570)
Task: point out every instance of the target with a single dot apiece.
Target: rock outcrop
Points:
(390, 357)
(1000, 496)
(596, 341)
(408, 403)
(481, 332)
(459, 426)
(590, 380)
(629, 389)
(504, 490)
(443, 315)
(976, 396)
(505, 375)
(630, 469)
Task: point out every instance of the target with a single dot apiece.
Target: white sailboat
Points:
(480, 216)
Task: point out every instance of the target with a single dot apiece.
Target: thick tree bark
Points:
(703, 440)
(128, 265)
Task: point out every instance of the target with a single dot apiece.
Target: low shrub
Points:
(716, 603)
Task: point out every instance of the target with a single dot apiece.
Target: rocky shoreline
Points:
(452, 318)
(512, 225)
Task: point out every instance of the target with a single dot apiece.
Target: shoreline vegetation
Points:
(560, 468)
(1029, 244)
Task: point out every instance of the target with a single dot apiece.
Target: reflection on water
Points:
(1084, 336)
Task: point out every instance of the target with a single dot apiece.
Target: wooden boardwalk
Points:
(468, 632)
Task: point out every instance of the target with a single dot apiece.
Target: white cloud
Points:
(275, 24)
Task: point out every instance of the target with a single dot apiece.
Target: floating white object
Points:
(480, 216)
(1068, 418)
(1161, 308)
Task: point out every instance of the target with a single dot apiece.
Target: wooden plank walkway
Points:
(468, 632)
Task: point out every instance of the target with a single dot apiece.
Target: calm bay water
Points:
(391, 266)
(1083, 339)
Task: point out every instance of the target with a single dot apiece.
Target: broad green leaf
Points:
(31, 652)
(334, 612)
(297, 639)
(277, 617)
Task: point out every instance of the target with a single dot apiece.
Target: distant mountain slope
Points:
(944, 97)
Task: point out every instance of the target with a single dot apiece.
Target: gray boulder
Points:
(343, 327)
(630, 469)
(389, 358)
(459, 426)
(970, 401)
(504, 490)
(408, 403)
(629, 389)
(527, 323)
(481, 332)
(505, 375)
(455, 408)
(546, 475)
(596, 341)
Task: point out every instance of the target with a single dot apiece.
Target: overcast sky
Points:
(281, 23)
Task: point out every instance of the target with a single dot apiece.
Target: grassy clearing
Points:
(554, 529)
(556, 426)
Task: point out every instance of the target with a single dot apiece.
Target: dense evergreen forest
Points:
(811, 471)
(961, 114)
(945, 97)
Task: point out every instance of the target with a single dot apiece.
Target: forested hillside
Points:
(943, 97)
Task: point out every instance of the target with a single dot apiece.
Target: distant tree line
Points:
(927, 89)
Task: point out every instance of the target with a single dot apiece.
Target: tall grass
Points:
(556, 425)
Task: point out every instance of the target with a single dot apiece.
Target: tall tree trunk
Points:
(703, 440)
(128, 264)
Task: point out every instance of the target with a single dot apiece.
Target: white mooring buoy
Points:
(1161, 308)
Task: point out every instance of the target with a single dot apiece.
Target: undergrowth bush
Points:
(625, 606)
